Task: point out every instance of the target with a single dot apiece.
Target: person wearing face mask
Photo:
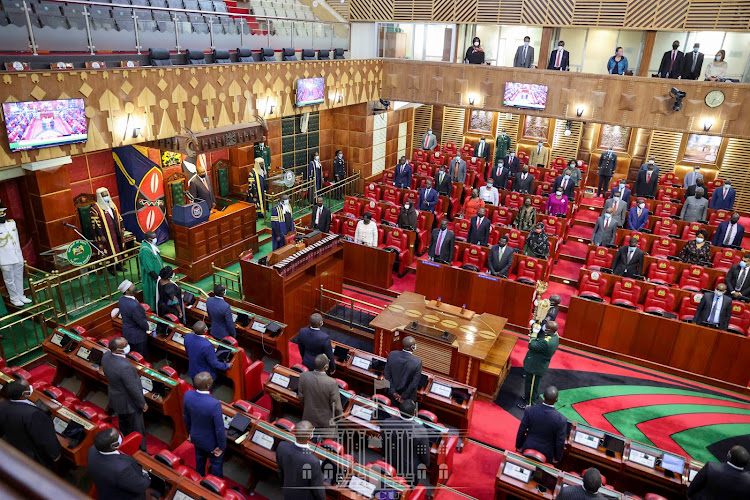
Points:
(11, 261)
(443, 184)
(691, 178)
(321, 216)
(559, 60)
(502, 146)
(723, 481)
(537, 243)
(539, 155)
(124, 388)
(366, 232)
(150, 262)
(737, 280)
(605, 229)
(618, 206)
(524, 181)
(441, 243)
(512, 162)
(628, 261)
(672, 62)
(607, 167)
(618, 63)
(169, 296)
(622, 188)
(199, 184)
(499, 175)
(651, 161)
(457, 169)
(257, 187)
(489, 192)
(693, 63)
(134, 323)
(429, 141)
(698, 250)
(402, 174)
(314, 173)
(723, 197)
(716, 70)
(695, 207)
(261, 150)
(575, 171)
(565, 183)
(690, 191)
(220, 313)
(524, 57)
(202, 354)
(501, 258)
(339, 171)
(526, 217)
(408, 216)
(472, 204)
(479, 229)
(107, 225)
(282, 222)
(638, 216)
(428, 197)
(403, 369)
(729, 233)
(557, 203)
(482, 150)
(117, 476)
(646, 182)
(28, 428)
(475, 53)
(715, 309)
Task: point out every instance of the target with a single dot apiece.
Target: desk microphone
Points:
(68, 225)
(190, 196)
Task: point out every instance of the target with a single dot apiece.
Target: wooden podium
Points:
(221, 240)
(475, 350)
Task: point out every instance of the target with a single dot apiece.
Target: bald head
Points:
(316, 320)
(203, 381)
(303, 431)
(200, 328)
(118, 344)
(408, 344)
(550, 395)
(107, 440)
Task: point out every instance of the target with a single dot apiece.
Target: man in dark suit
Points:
(403, 370)
(315, 174)
(26, 427)
(524, 57)
(201, 353)
(443, 183)
(134, 322)
(553, 311)
(559, 60)
(543, 428)
(672, 62)
(200, 186)
(500, 174)
(117, 476)
(738, 284)
(205, 425)
(622, 188)
(406, 445)
(321, 216)
(589, 490)
(723, 481)
(605, 229)
(729, 233)
(319, 395)
(607, 167)
(524, 181)
(441, 243)
(566, 183)
(479, 229)
(512, 162)
(220, 314)
(693, 63)
(482, 150)
(299, 469)
(692, 188)
(723, 197)
(402, 174)
(125, 390)
(628, 261)
(651, 161)
(715, 309)
(646, 182)
(313, 341)
(501, 258)
(638, 216)
(428, 197)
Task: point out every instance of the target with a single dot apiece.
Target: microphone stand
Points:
(74, 228)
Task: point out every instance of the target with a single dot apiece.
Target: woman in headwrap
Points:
(107, 224)
(537, 243)
(257, 186)
(169, 295)
(475, 53)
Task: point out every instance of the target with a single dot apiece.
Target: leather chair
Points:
(159, 57)
(253, 380)
(214, 484)
(494, 236)
(60, 394)
(221, 57)
(688, 306)
(308, 55)
(419, 156)
(726, 258)
(539, 203)
(516, 239)
(665, 209)
(457, 256)
(388, 177)
(514, 200)
(245, 55)
(299, 368)
(324, 55)
(544, 189)
(423, 233)
(501, 215)
(474, 258)
(665, 227)
(437, 158)
(196, 56)
(626, 292)
(558, 163)
(523, 157)
(349, 227)
(382, 467)
(529, 271)
(382, 399)
(719, 216)
(467, 150)
(642, 242)
(138, 358)
(593, 286)
(553, 226)
(375, 210)
(392, 195)
(284, 424)
(450, 149)
(659, 300)
(352, 207)
(390, 215)
(418, 493)
(689, 231)
(130, 443)
(267, 55)
(168, 458)
(332, 446)
(373, 192)
(335, 224)
(740, 319)
(711, 185)
(670, 179)
(461, 229)
(534, 455)
(535, 172)
(338, 53)
(92, 412)
(693, 278)
(288, 54)
(668, 194)
(428, 416)
(663, 247)
(342, 383)
(661, 272)
(424, 169)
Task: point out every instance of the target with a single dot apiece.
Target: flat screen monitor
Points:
(83, 353)
(673, 463)
(96, 356)
(362, 487)
(525, 95)
(42, 406)
(614, 444)
(264, 440)
(147, 384)
(259, 327)
(642, 458)
(280, 380)
(178, 338)
(240, 423)
(310, 91)
(340, 353)
(60, 425)
(42, 124)
(440, 389)
(544, 479)
(517, 472)
(586, 439)
(362, 412)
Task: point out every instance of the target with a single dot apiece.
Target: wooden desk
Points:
(174, 482)
(368, 267)
(641, 479)
(68, 362)
(221, 240)
(511, 487)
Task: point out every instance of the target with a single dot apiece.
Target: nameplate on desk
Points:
(83, 353)
(642, 458)
(280, 380)
(430, 263)
(362, 412)
(362, 487)
(263, 440)
(59, 424)
(586, 440)
(75, 418)
(178, 338)
(361, 362)
(70, 334)
(517, 472)
(487, 277)
(158, 376)
(151, 326)
(57, 339)
(201, 306)
(258, 327)
(440, 389)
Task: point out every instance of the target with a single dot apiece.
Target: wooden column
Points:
(544, 47)
(648, 50)
(51, 201)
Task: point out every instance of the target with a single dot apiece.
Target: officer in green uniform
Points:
(502, 145)
(542, 345)
(260, 150)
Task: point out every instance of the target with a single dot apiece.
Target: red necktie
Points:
(606, 223)
(426, 140)
(439, 242)
(674, 55)
(559, 58)
(648, 177)
(725, 192)
(564, 183)
(478, 222)
(499, 169)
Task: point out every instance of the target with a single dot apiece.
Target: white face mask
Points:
(559, 194)
(642, 206)
(119, 440)
(699, 239)
(429, 132)
(126, 350)
(153, 241)
(476, 44)
(413, 349)
(407, 206)
(317, 158)
(525, 44)
(286, 202)
(261, 144)
(607, 216)
(341, 155)
(106, 199)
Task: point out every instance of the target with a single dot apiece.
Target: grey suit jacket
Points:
(602, 237)
(319, 395)
(125, 392)
(430, 145)
(460, 175)
(620, 213)
(694, 209)
(519, 61)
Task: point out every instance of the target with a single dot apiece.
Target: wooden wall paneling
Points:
(544, 47)
(664, 147)
(734, 167)
(723, 365)
(510, 123)
(422, 122)
(648, 46)
(453, 126)
(566, 146)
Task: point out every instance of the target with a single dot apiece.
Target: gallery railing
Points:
(231, 281)
(24, 331)
(347, 310)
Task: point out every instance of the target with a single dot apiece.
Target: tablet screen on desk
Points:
(673, 463)
(614, 444)
(360, 362)
(262, 439)
(545, 479)
(181, 495)
(362, 487)
(517, 472)
(440, 389)
(96, 356)
(642, 458)
(259, 327)
(692, 474)
(151, 326)
(60, 425)
(362, 412)
(147, 384)
(280, 380)
(83, 353)
(586, 440)
(240, 423)
(157, 484)
(201, 306)
(59, 339)
(340, 353)
(178, 338)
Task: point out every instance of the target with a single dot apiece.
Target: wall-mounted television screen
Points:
(41, 124)
(310, 91)
(525, 95)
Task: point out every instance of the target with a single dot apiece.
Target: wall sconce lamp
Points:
(568, 125)
(707, 124)
(579, 111)
(339, 96)
(472, 99)
(136, 132)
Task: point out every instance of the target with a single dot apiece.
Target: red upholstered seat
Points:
(169, 372)
(424, 169)
(494, 236)
(467, 150)
(544, 189)
(253, 380)
(130, 443)
(60, 394)
(642, 242)
(688, 232)
(284, 424)
(669, 179)
(558, 163)
(529, 270)
(233, 495)
(665, 227)
(549, 177)
(616, 184)
(535, 172)
(450, 149)
(299, 367)
(523, 157)
(214, 484)
(349, 227)
(739, 322)
(398, 241)
(553, 226)
(514, 200)
(726, 258)
(335, 224)
(659, 300)
(654, 496)
(475, 256)
(661, 272)
(352, 207)
(388, 176)
(598, 258)
(375, 210)
(694, 278)
(427, 415)
(663, 247)
(168, 458)
(79, 330)
(423, 233)
(461, 229)
(719, 216)
(138, 358)
(92, 412)
(382, 399)
(626, 292)
(668, 194)
(437, 158)
(457, 256)
(665, 209)
(534, 455)
(419, 155)
(19, 373)
(539, 203)
(516, 239)
(332, 446)
(188, 472)
(592, 286)
(392, 195)
(382, 467)
(418, 493)
(146, 307)
(688, 306)
(373, 191)
(390, 214)
(502, 216)
(342, 383)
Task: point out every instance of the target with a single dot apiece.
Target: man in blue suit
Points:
(117, 476)
(729, 233)
(723, 197)
(313, 341)
(205, 425)
(220, 314)
(315, 173)
(402, 175)
(543, 428)
(299, 469)
(428, 197)
(134, 323)
(201, 353)
(625, 193)
(638, 216)
(282, 222)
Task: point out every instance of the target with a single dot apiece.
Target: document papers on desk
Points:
(642, 458)
(586, 440)
(517, 472)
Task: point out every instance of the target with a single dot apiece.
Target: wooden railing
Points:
(353, 312)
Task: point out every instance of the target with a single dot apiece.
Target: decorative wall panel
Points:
(422, 122)
(734, 167)
(453, 126)
(664, 147)
(566, 146)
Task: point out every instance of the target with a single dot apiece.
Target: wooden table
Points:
(507, 486)
(368, 267)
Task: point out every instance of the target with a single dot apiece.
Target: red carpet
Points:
(367, 296)
(405, 284)
(564, 291)
(579, 231)
(575, 248)
(567, 269)
(586, 214)
(474, 472)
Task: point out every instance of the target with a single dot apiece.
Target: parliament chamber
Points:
(363, 249)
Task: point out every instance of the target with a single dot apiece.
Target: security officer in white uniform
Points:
(11, 260)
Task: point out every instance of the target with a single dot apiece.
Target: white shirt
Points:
(110, 452)
(203, 392)
(10, 246)
(154, 249)
(716, 307)
(305, 446)
(26, 401)
(489, 195)
(317, 214)
(367, 234)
